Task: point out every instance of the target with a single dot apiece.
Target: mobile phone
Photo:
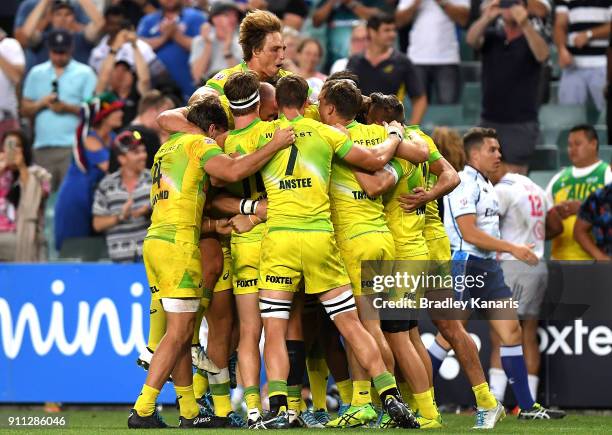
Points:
(11, 146)
(55, 89)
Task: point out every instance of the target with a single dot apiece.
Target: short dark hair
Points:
(291, 91)
(475, 137)
(240, 86)
(153, 99)
(378, 19)
(207, 111)
(346, 74)
(388, 107)
(589, 132)
(344, 96)
(114, 11)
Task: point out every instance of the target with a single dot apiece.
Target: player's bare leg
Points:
(340, 306)
(297, 360)
(249, 362)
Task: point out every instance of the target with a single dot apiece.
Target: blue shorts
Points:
(476, 277)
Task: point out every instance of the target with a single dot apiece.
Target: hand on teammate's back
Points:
(283, 137)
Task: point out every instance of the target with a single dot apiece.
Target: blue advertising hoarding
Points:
(72, 333)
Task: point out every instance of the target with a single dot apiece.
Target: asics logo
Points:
(201, 420)
(226, 275)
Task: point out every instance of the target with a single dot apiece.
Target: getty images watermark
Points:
(399, 290)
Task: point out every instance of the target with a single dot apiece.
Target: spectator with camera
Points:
(513, 48)
(434, 46)
(23, 191)
(128, 81)
(61, 17)
(115, 20)
(52, 94)
(12, 64)
(121, 208)
(216, 47)
(170, 32)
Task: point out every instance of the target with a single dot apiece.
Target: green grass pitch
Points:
(115, 422)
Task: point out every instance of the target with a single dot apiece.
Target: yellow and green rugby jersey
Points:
(434, 228)
(218, 81)
(297, 178)
(246, 141)
(407, 228)
(353, 212)
(179, 187)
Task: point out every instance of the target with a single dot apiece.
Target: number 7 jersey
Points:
(297, 178)
(178, 192)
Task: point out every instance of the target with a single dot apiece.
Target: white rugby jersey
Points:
(474, 195)
(522, 212)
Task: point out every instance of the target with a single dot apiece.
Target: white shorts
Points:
(172, 305)
(528, 284)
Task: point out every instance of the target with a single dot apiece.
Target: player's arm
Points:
(379, 182)
(230, 170)
(475, 236)
(229, 205)
(554, 224)
(373, 159)
(176, 120)
(448, 180)
(582, 234)
(203, 91)
(413, 148)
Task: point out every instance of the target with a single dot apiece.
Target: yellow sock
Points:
(317, 376)
(157, 324)
(425, 405)
(220, 390)
(375, 396)
(345, 388)
(484, 397)
(407, 395)
(294, 397)
(433, 396)
(252, 397)
(195, 339)
(200, 383)
(361, 393)
(188, 408)
(145, 404)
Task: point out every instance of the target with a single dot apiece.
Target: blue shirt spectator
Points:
(170, 31)
(595, 219)
(52, 95)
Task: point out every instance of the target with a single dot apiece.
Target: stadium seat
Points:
(545, 157)
(549, 135)
(554, 93)
(465, 51)
(472, 101)
(562, 116)
(443, 114)
(602, 118)
(541, 178)
(84, 249)
(471, 71)
(605, 153)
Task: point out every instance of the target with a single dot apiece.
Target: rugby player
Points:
(299, 244)
(172, 258)
(360, 229)
(472, 223)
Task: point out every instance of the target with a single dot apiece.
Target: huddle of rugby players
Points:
(265, 204)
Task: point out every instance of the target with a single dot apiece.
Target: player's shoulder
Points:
(218, 80)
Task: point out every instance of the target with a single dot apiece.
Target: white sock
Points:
(497, 383)
(533, 381)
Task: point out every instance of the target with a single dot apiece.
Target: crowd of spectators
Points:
(75, 74)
